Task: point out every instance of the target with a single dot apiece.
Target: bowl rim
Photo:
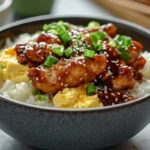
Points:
(54, 109)
(5, 5)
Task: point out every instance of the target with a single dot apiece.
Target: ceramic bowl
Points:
(4, 10)
(68, 129)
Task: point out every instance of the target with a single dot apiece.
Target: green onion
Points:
(1, 66)
(91, 89)
(61, 30)
(126, 41)
(96, 37)
(81, 37)
(68, 52)
(89, 53)
(66, 38)
(41, 97)
(50, 60)
(54, 31)
(123, 41)
(99, 47)
(124, 54)
(64, 35)
(113, 43)
(58, 50)
(35, 92)
(101, 35)
(93, 24)
(53, 27)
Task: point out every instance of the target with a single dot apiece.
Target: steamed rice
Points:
(23, 91)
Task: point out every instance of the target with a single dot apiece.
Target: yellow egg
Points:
(12, 70)
(76, 98)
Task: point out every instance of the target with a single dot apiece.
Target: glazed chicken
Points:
(67, 73)
(84, 55)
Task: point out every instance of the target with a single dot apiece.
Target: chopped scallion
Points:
(91, 89)
(124, 54)
(58, 50)
(113, 43)
(101, 35)
(93, 24)
(41, 97)
(89, 53)
(123, 41)
(68, 52)
(35, 92)
(64, 35)
(50, 60)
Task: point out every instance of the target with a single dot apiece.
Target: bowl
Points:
(4, 10)
(71, 129)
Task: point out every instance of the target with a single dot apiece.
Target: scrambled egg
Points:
(76, 98)
(10, 68)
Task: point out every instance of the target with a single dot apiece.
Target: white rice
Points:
(23, 91)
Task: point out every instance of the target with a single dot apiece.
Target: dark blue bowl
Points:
(54, 128)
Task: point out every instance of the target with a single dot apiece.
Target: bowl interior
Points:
(33, 24)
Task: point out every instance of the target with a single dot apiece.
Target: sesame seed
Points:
(112, 94)
(81, 79)
(62, 84)
(36, 78)
(118, 93)
(109, 67)
(59, 78)
(65, 85)
(95, 80)
(106, 96)
(116, 99)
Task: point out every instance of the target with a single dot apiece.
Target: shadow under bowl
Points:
(54, 128)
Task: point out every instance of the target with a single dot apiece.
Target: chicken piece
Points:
(48, 38)
(134, 51)
(109, 96)
(139, 63)
(124, 79)
(67, 73)
(110, 29)
(32, 52)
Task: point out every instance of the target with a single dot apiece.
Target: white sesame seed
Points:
(81, 79)
(79, 62)
(59, 78)
(112, 94)
(106, 96)
(116, 99)
(62, 84)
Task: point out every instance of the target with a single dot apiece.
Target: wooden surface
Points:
(129, 10)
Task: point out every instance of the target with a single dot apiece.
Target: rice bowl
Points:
(23, 91)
